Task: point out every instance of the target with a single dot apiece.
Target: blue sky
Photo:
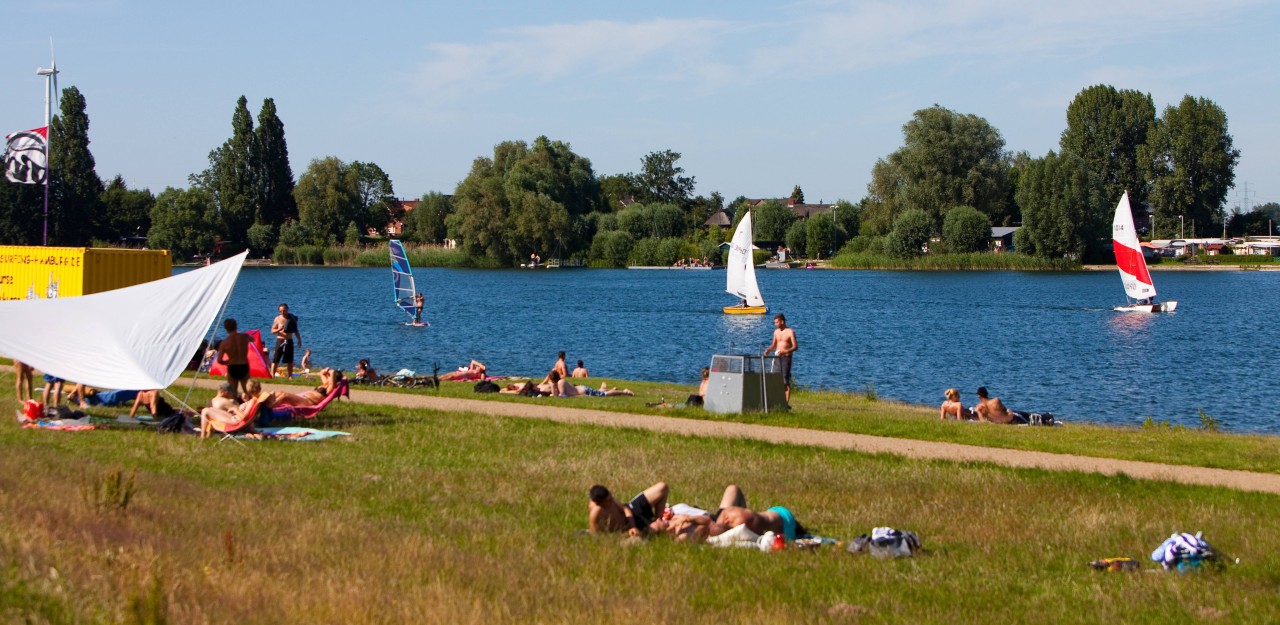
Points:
(756, 96)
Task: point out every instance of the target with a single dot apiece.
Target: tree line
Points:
(942, 190)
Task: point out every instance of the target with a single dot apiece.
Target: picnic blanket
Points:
(292, 434)
(65, 425)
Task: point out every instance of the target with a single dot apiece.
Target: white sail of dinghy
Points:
(740, 274)
(1132, 265)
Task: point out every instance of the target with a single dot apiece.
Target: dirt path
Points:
(930, 450)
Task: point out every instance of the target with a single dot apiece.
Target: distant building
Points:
(803, 211)
(1002, 238)
(720, 218)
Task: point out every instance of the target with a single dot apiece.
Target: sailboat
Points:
(740, 274)
(1133, 267)
(403, 285)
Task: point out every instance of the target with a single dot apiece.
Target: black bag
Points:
(485, 386)
(175, 423)
(694, 400)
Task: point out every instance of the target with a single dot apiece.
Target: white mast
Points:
(50, 93)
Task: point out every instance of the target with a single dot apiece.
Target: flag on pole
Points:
(25, 157)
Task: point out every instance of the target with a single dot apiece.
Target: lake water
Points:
(1040, 341)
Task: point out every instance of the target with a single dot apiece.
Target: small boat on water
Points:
(1138, 287)
(403, 287)
(740, 274)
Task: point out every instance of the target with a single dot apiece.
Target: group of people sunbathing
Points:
(227, 409)
(988, 409)
(648, 514)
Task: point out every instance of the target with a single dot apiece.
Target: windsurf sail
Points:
(402, 279)
(740, 274)
(1129, 260)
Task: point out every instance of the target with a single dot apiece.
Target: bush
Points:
(797, 236)
(965, 229)
(644, 253)
(610, 248)
(262, 238)
(345, 256)
(911, 231)
(821, 236)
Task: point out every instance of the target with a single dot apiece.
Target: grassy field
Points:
(861, 414)
(438, 517)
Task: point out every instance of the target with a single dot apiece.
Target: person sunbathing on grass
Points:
(473, 371)
(638, 517)
(992, 410)
(734, 512)
(232, 413)
(329, 379)
(564, 389)
(953, 408)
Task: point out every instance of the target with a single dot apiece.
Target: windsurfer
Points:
(418, 302)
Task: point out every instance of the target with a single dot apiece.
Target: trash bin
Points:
(744, 383)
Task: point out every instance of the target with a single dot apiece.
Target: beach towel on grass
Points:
(295, 434)
(65, 425)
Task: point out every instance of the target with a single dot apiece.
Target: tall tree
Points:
(1106, 127)
(947, 159)
(797, 195)
(235, 176)
(275, 176)
(660, 179)
(21, 213)
(184, 222)
(1191, 162)
(126, 212)
(328, 197)
(75, 190)
(377, 196)
(617, 188)
(526, 199)
(428, 222)
(1063, 208)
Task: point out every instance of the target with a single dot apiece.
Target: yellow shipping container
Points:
(28, 272)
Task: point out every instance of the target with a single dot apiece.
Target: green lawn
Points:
(855, 413)
(425, 516)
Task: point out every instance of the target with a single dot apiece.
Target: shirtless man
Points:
(418, 302)
(560, 367)
(734, 512)
(641, 515)
(783, 345)
(235, 349)
(991, 409)
(580, 371)
(285, 327)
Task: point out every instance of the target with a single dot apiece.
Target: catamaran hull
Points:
(745, 310)
(1149, 308)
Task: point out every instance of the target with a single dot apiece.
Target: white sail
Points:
(1129, 260)
(740, 274)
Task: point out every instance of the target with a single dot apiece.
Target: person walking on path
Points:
(285, 327)
(783, 345)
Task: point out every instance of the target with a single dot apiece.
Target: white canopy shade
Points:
(138, 337)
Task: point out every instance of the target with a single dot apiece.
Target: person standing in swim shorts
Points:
(236, 349)
(285, 327)
(783, 345)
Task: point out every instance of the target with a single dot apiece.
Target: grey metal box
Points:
(744, 383)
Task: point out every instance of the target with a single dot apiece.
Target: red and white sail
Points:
(1129, 260)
